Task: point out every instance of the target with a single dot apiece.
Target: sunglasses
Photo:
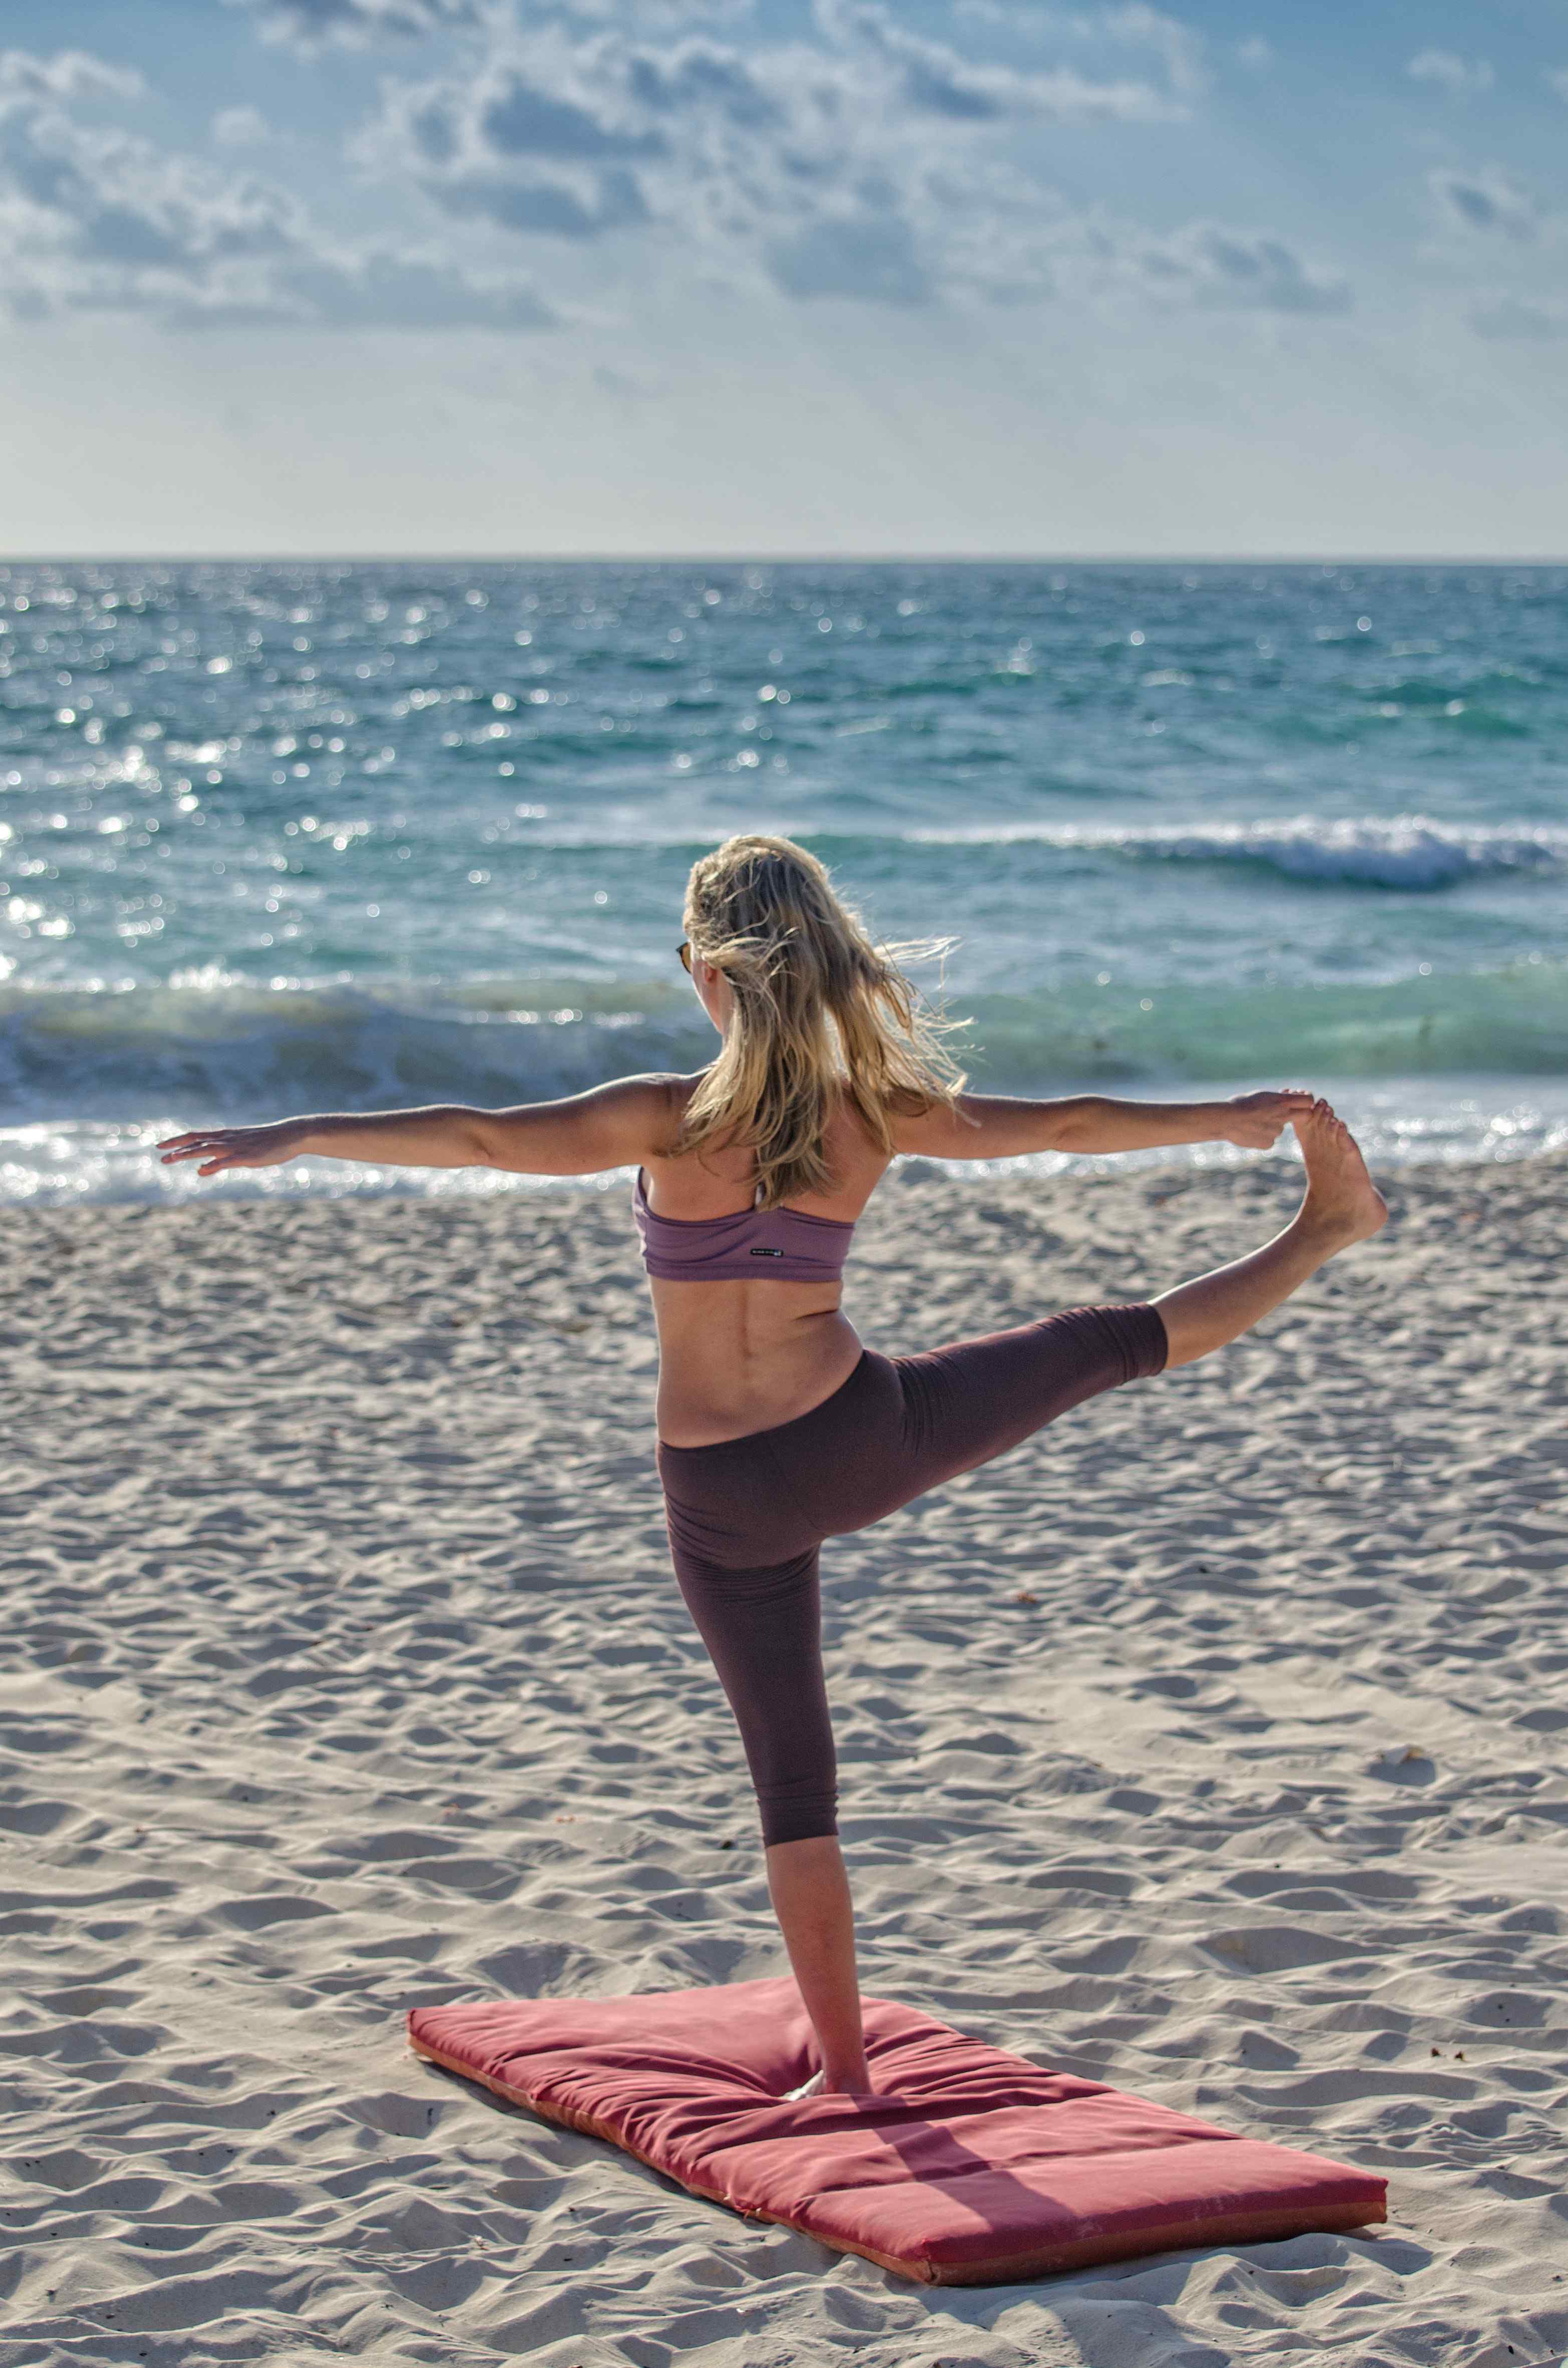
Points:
(684, 950)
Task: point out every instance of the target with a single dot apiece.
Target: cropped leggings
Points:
(747, 1518)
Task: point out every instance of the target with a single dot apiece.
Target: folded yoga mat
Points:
(969, 2166)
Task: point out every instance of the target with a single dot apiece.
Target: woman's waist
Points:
(717, 1384)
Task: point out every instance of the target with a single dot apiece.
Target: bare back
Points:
(737, 1356)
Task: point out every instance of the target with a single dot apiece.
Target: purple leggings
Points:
(746, 1518)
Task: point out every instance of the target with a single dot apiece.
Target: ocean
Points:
(293, 837)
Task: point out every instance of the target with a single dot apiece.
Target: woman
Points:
(776, 1427)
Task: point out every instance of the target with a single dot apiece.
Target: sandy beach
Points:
(1212, 1743)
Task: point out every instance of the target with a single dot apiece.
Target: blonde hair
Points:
(819, 1010)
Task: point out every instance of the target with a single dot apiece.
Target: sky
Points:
(785, 277)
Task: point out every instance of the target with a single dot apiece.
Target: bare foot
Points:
(1342, 1200)
(817, 2087)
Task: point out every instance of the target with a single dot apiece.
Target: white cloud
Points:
(1454, 74)
(1485, 202)
(1133, 25)
(928, 78)
(865, 164)
(1557, 80)
(869, 163)
(240, 127)
(1255, 52)
(309, 23)
(96, 218)
(1180, 46)
(70, 73)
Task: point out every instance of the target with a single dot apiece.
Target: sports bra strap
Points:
(778, 1244)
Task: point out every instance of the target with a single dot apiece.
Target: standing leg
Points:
(1342, 1205)
(810, 1890)
(763, 1631)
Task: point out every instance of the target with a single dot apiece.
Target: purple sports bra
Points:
(784, 1243)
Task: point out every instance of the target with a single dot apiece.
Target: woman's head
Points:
(808, 1007)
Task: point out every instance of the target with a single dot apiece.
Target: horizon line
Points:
(777, 559)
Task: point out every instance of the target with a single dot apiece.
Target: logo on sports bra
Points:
(765, 1253)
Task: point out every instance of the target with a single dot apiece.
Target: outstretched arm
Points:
(611, 1126)
(1001, 1126)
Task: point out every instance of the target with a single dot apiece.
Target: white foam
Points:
(1403, 851)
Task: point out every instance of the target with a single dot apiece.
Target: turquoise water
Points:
(293, 837)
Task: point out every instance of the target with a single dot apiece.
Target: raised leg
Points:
(1342, 1205)
(806, 1878)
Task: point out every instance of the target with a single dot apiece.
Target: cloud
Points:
(928, 78)
(1454, 74)
(861, 164)
(372, 290)
(312, 25)
(70, 73)
(1133, 25)
(1255, 52)
(868, 163)
(1180, 46)
(551, 138)
(98, 219)
(1485, 202)
(105, 197)
(1557, 80)
(1208, 265)
(308, 24)
(1515, 317)
(240, 127)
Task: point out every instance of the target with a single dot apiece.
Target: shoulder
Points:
(659, 1101)
(674, 1093)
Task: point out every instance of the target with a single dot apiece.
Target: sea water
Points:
(281, 837)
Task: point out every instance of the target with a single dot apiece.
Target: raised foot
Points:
(1342, 1200)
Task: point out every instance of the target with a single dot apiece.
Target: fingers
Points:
(208, 1144)
(1289, 1101)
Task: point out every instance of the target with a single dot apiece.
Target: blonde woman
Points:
(777, 1428)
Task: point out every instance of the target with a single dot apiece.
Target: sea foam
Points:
(1407, 851)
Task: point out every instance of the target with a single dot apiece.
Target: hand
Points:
(1257, 1121)
(235, 1146)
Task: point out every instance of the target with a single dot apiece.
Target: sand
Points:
(1212, 1743)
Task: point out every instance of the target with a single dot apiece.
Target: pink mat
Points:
(969, 2166)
